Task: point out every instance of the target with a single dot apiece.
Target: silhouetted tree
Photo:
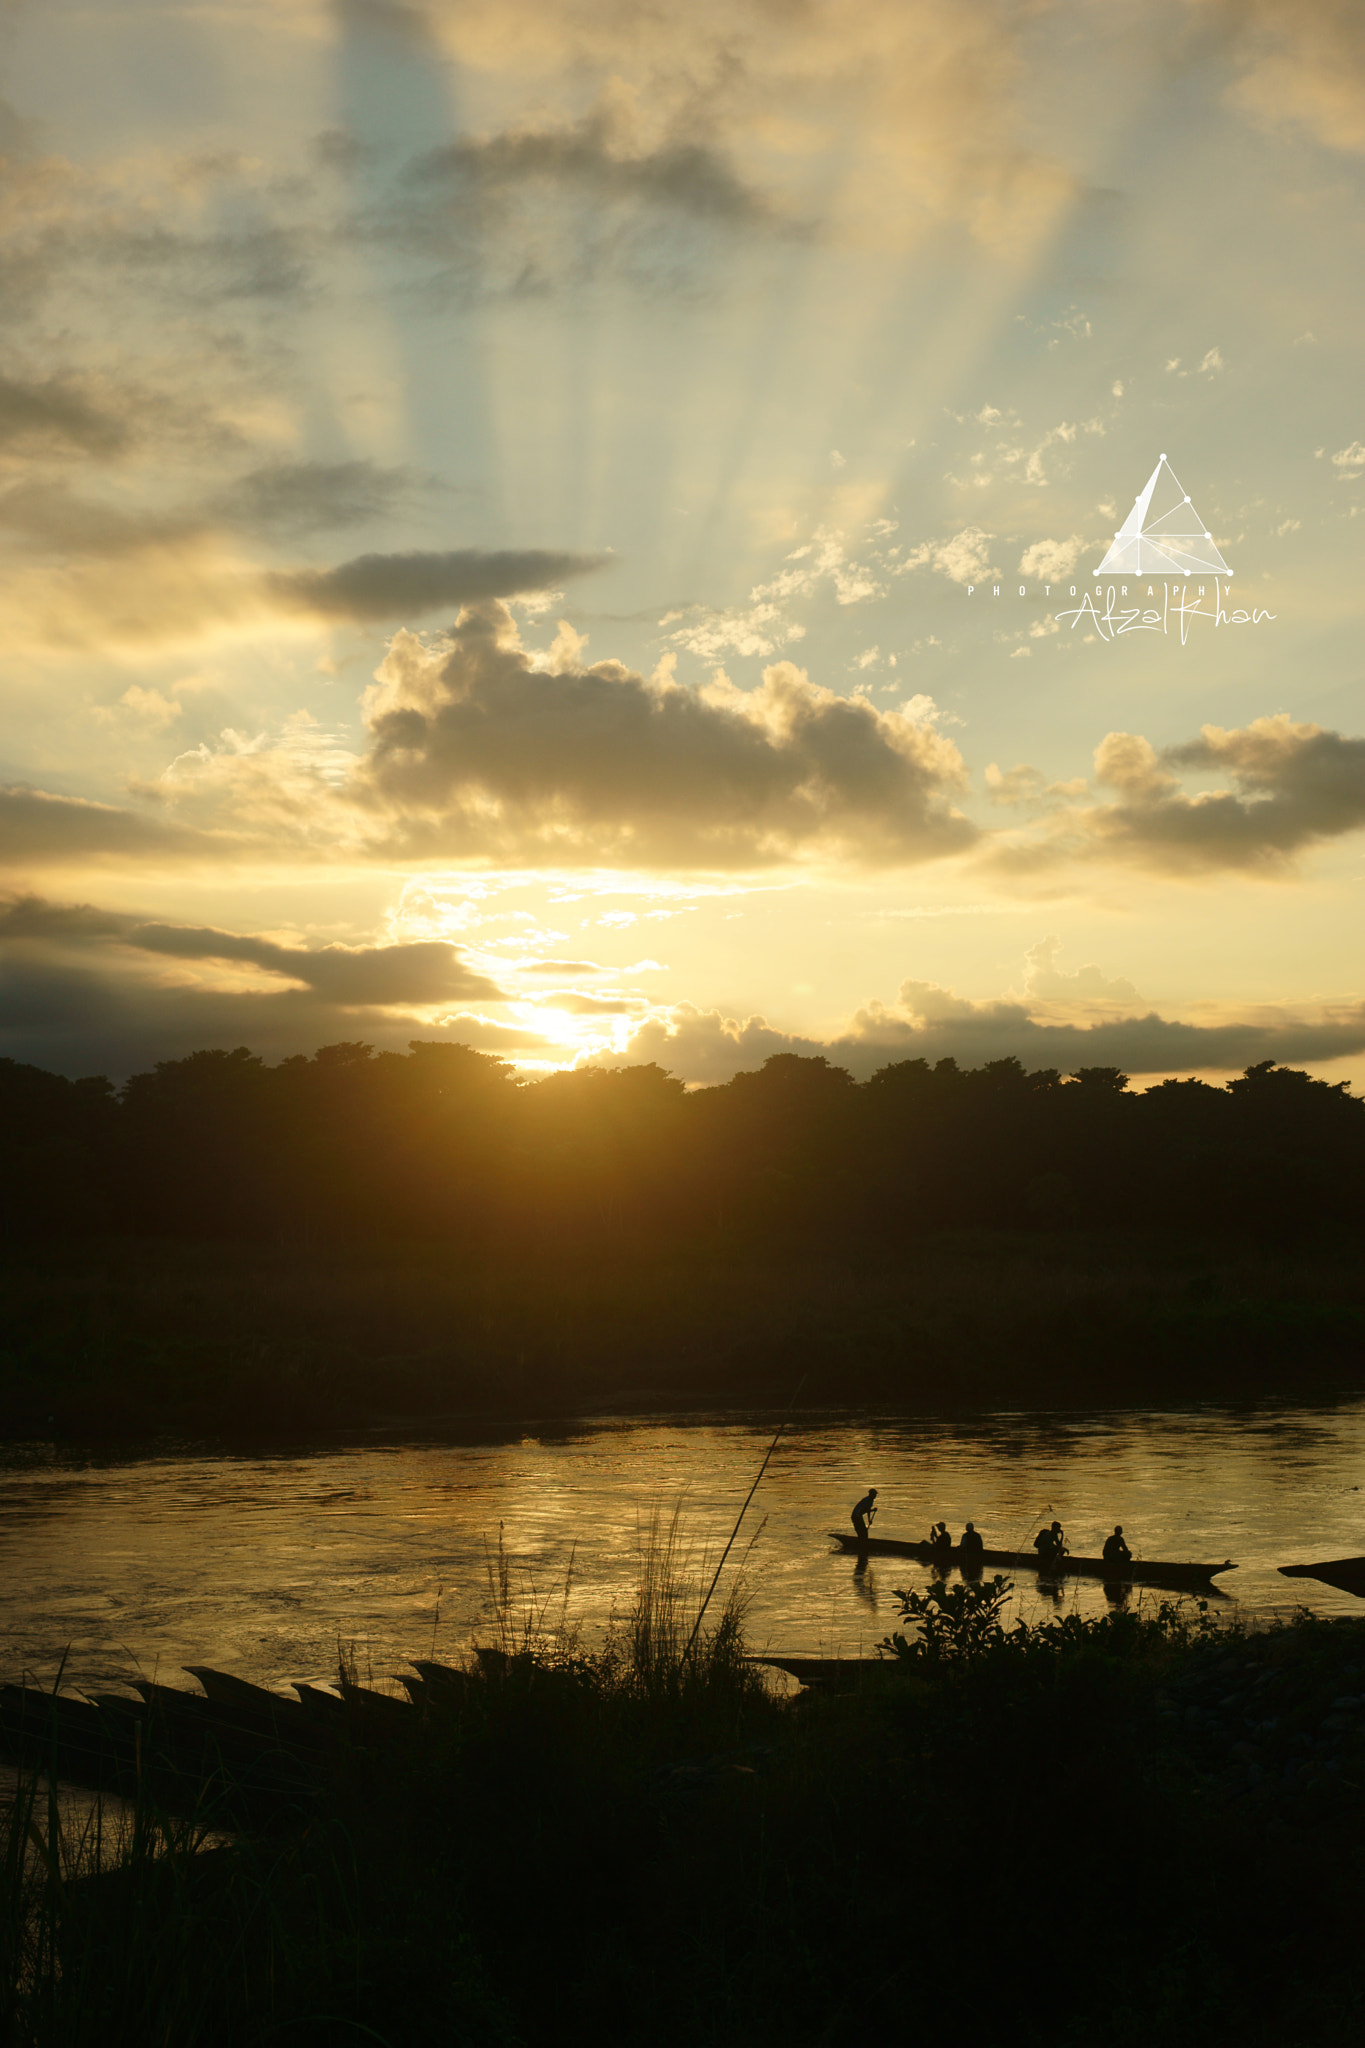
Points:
(452, 1144)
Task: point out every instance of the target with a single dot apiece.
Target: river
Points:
(262, 1562)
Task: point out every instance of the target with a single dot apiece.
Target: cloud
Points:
(916, 104)
(485, 1034)
(965, 558)
(559, 967)
(396, 586)
(37, 829)
(77, 1018)
(100, 571)
(1019, 785)
(34, 917)
(407, 25)
(1294, 785)
(55, 416)
(1048, 561)
(149, 706)
(147, 580)
(703, 1046)
(763, 625)
(1301, 64)
(1046, 982)
(575, 1004)
(603, 157)
(476, 749)
(84, 988)
(46, 516)
(933, 1023)
(424, 972)
(303, 497)
(1351, 461)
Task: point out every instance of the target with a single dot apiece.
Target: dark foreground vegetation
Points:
(1139, 1831)
(223, 1246)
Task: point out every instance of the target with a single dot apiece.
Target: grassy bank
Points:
(1133, 1831)
(132, 1338)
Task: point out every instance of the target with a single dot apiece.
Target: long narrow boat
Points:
(840, 1674)
(1347, 1574)
(1139, 1572)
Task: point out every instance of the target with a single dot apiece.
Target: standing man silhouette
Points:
(863, 1513)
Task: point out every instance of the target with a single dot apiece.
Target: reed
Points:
(1059, 1838)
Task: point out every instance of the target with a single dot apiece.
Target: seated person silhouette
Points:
(971, 1548)
(1050, 1545)
(1115, 1550)
(863, 1513)
(940, 1542)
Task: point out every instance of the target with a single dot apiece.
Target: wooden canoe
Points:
(1139, 1572)
(839, 1674)
(1347, 1574)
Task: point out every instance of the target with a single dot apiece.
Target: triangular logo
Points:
(1163, 535)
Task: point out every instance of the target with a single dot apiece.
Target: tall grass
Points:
(658, 1654)
(74, 1874)
(1050, 1843)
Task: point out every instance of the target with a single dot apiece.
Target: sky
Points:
(502, 505)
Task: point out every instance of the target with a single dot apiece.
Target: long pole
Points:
(696, 1626)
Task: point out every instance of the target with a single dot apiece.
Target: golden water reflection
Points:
(261, 1564)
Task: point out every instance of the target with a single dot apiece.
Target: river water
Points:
(136, 1565)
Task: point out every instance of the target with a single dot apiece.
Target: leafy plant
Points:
(956, 1622)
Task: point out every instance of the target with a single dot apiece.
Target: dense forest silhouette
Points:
(447, 1143)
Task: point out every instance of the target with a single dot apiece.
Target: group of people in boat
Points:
(970, 1548)
(1050, 1543)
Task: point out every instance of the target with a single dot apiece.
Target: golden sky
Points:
(502, 503)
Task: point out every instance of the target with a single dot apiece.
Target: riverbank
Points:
(1140, 1830)
(129, 1339)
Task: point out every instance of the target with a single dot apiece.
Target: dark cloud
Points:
(34, 917)
(393, 18)
(341, 149)
(560, 967)
(1293, 783)
(704, 1046)
(594, 156)
(54, 415)
(476, 749)
(74, 1018)
(486, 1036)
(281, 499)
(264, 261)
(47, 515)
(399, 586)
(1292, 786)
(36, 828)
(301, 497)
(79, 992)
(429, 972)
(17, 134)
(576, 1005)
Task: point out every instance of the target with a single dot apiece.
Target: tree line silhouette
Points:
(449, 1143)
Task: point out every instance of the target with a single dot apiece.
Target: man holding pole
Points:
(863, 1513)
